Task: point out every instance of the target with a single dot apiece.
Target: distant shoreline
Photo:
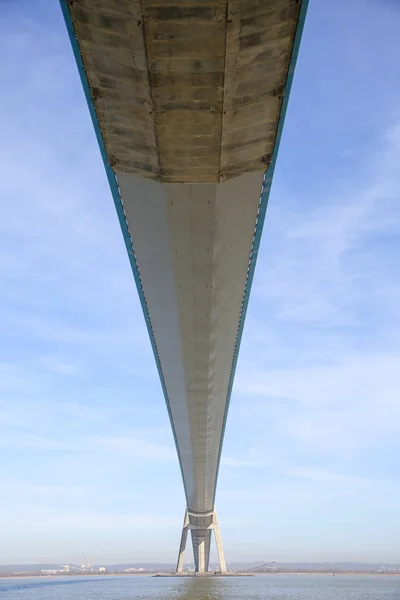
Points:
(153, 573)
(68, 575)
(330, 573)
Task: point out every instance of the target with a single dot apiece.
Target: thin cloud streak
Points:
(134, 447)
(321, 273)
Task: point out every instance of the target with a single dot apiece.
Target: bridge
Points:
(188, 99)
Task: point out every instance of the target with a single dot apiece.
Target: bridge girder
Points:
(188, 99)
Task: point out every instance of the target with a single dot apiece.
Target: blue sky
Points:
(311, 457)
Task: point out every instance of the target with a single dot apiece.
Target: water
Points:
(267, 587)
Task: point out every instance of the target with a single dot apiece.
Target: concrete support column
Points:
(201, 555)
(201, 541)
(218, 542)
(182, 547)
(201, 526)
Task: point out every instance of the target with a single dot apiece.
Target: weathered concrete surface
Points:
(187, 90)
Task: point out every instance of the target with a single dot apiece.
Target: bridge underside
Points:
(186, 97)
(187, 90)
(192, 246)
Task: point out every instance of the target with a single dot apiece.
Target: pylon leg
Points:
(201, 526)
(218, 543)
(182, 547)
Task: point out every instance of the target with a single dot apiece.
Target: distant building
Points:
(102, 569)
(51, 571)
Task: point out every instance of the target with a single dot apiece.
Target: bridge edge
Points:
(112, 181)
(264, 197)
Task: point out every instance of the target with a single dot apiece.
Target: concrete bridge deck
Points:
(188, 100)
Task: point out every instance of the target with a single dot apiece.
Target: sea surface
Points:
(266, 587)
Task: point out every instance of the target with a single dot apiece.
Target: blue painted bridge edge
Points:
(262, 209)
(265, 192)
(118, 205)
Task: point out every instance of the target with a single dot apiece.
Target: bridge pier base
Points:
(201, 526)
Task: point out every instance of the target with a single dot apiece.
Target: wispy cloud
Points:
(345, 407)
(323, 476)
(312, 436)
(19, 490)
(228, 461)
(325, 265)
(93, 521)
(325, 372)
(136, 447)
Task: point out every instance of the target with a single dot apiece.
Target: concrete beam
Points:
(190, 90)
(182, 547)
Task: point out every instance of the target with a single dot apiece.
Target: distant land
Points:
(52, 569)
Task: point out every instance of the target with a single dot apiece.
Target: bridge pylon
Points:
(201, 526)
